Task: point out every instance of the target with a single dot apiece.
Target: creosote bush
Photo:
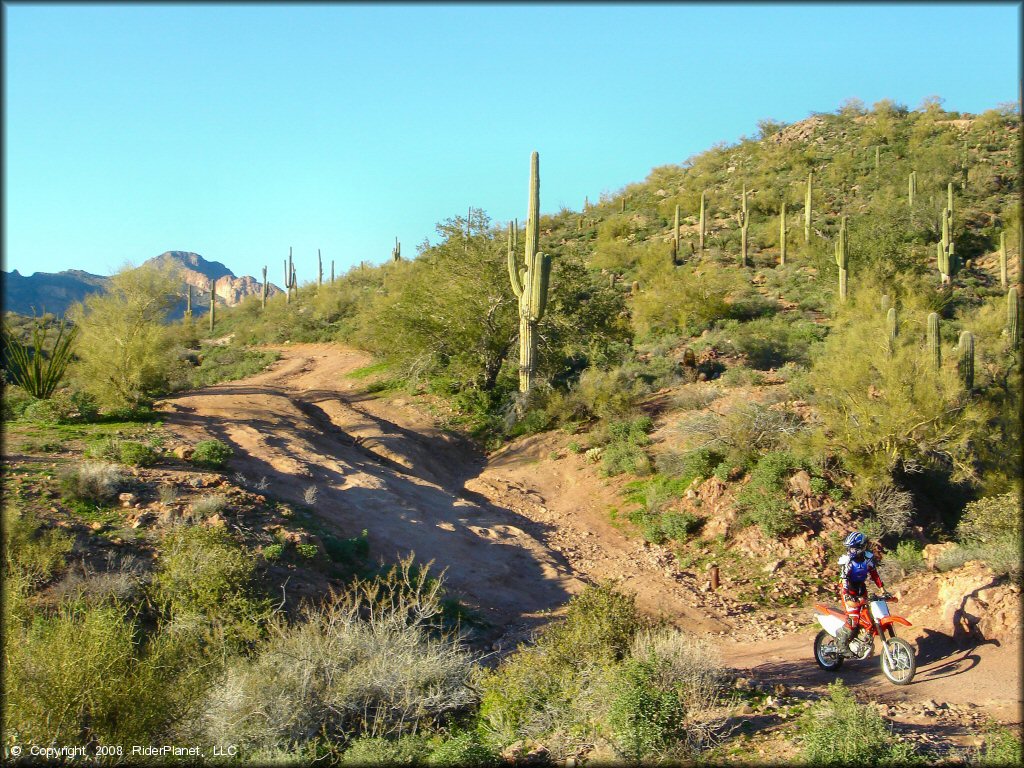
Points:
(212, 454)
(91, 481)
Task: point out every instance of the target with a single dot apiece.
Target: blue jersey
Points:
(853, 573)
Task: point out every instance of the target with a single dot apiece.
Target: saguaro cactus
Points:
(966, 350)
(885, 302)
(782, 234)
(1002, 260)
(263, 292)
(675, 238)
(877, 163)
(1013, 317)
(934, 340)
(332, 271)
(529, 283)
(911, 188)
(744, 220)
(188, 301)
(807, 210)
(287, 283)
(319, 269)
(893, 329)
(213, 303)
(703, 218)
(842, 256)
(396, 252)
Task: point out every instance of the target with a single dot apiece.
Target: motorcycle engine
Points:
(861, 649)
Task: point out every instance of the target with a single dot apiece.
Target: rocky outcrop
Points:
(198, 272)
(47, 291)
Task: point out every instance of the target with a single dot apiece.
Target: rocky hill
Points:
(56, 292)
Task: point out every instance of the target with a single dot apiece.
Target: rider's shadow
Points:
(940, 655)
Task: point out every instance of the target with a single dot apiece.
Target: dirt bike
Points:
(898, 661)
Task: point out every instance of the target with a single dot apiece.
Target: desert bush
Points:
(91, 481)
(370, 663)
(744, 433)
(771, 342)
(646, 720)
(689, 466)
(273, 552)
(838, 731)
(376, 750)
(679, 525)
(1001, 747)
(39, 367)
(226, 363)
(908, 556)
(135, 454)
(692, 399)
(684, 300)
(203, 572)
(991, 518)
(1003, 556)
(81, 677)
(763, 500)
(207, 506)
(212, 454)
(15, 400)
(31, 551)
(62, 407)
(893, 507)
(624, 451)
(464, 749)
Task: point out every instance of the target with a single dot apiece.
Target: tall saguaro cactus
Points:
(213, 303)
(396, 252)
(529, 282)
(782, 234)
(911, 188)
(842, 257)
(893, 329)
(703, 218)
(744, 219)
(675, 238)
(807, 209)
(188, 301)
(319, 269)
(934, 340)
(1002, 260)
(1013, 317)
(966, 350)
(263, 293)
(332, 271)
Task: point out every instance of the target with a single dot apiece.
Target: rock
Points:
(146, 518)
(182, 451)
(801, 483)
(127, 499)
(96, 526)
(214, 521)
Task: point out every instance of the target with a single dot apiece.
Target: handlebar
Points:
(884, 596)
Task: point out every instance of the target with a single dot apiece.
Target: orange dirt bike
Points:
(898, 661)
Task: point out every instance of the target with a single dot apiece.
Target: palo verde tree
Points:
(124, 354)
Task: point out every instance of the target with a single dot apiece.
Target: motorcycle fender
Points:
(829, 622)
(885, 622)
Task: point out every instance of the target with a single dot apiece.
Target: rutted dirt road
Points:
(518, 533)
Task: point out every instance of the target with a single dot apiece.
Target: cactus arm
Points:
(541, 273)
(513, 273)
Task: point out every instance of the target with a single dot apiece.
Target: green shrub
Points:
(624, 451)
(203, 572)
(819, 486)
(307, 551)
(908, 556)
(690, 466)
(350, 552)
(206, 507)
(376, 750)
(646, 720)
(273, 552)
(679, 525)
(91, 481)
(212, 454)
(15, 400)
(464, 749)
(226, 363)
(1001, 748)
(991, 518)
(763, 500)
(31, 551)
(136, 454)
(839, 731)
(63, 407)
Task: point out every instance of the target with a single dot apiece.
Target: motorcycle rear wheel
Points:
(825, 652)
(904, 663)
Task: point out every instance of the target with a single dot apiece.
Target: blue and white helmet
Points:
(856, 542)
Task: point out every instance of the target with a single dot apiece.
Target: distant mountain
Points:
(56, 292)
(48, 292)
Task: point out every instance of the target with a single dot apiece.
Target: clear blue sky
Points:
(237, 131)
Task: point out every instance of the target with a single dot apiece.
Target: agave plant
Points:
(29, 367)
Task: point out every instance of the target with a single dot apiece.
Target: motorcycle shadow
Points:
(940, 655)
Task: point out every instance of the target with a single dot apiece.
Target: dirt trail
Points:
(518, 536)
(518, 532)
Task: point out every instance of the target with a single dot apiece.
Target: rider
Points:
(854, 568)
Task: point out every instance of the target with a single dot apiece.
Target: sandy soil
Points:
(523, 529)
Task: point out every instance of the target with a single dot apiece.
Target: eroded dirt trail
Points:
(519, 532)
(518, 537)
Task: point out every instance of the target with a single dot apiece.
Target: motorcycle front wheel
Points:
(898, 661)
(825, 652)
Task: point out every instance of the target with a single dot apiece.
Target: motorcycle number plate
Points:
(879, 609)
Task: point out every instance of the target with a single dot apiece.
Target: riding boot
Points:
(843, 637)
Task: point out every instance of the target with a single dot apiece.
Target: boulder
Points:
(932, 551)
